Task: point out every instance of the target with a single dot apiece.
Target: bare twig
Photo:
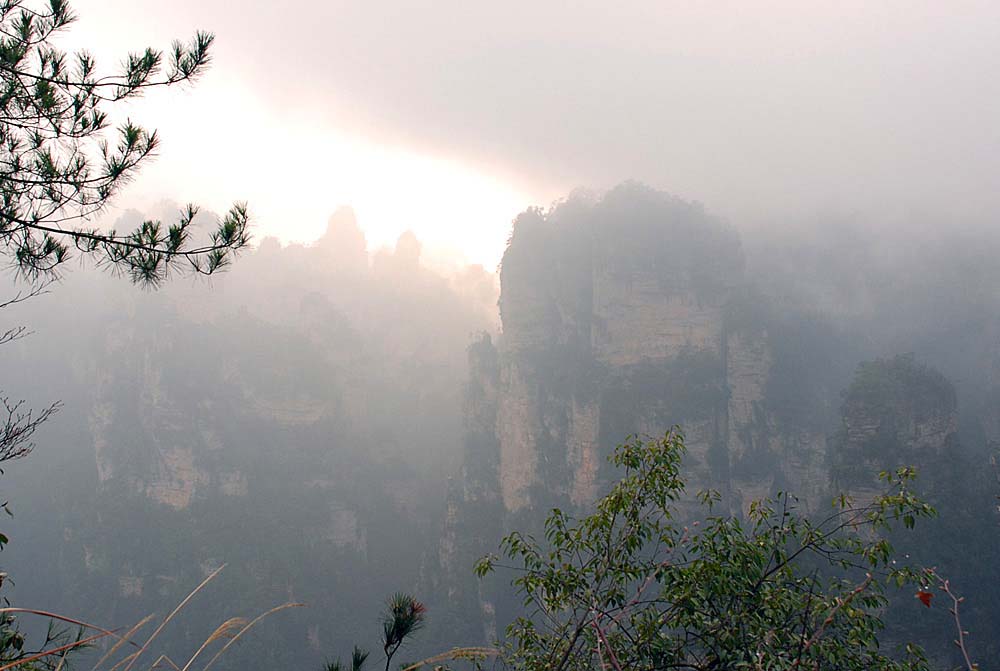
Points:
(945, 586)
(18, 426)
(37, 289)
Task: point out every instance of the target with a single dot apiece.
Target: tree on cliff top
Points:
(57, 167)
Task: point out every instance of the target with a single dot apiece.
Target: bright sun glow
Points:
(219, 144)
(222, 140)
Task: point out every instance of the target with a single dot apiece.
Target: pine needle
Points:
(53, 651)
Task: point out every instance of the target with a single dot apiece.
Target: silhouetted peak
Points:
(408, 249)
(343, 237)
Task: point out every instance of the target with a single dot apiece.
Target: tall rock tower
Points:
(615, 320)
(613, 323)
(630, 314)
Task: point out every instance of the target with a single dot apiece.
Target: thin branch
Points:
(840, 604)
(945, 586)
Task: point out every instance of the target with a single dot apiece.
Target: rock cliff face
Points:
(616, 320)
(594, 296)
(140, 437)
(895, 411)
(297, 423)
(631, 315)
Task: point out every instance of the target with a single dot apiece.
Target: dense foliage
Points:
(629, 587)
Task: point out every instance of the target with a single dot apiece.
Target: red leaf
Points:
(925, 597)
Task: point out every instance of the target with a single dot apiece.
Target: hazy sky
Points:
(450, 116)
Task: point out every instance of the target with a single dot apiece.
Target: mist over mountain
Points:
(335, 423)
(523, 336)
(295, 418)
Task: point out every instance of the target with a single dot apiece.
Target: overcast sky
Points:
(450, 116)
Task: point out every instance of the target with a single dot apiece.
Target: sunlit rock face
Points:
(614, 321)
(140, 430)
(176, 478)
(636, 321)
(583, 455)
(595, 294)
(519, 428)
(130, 586)
(766, 452)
